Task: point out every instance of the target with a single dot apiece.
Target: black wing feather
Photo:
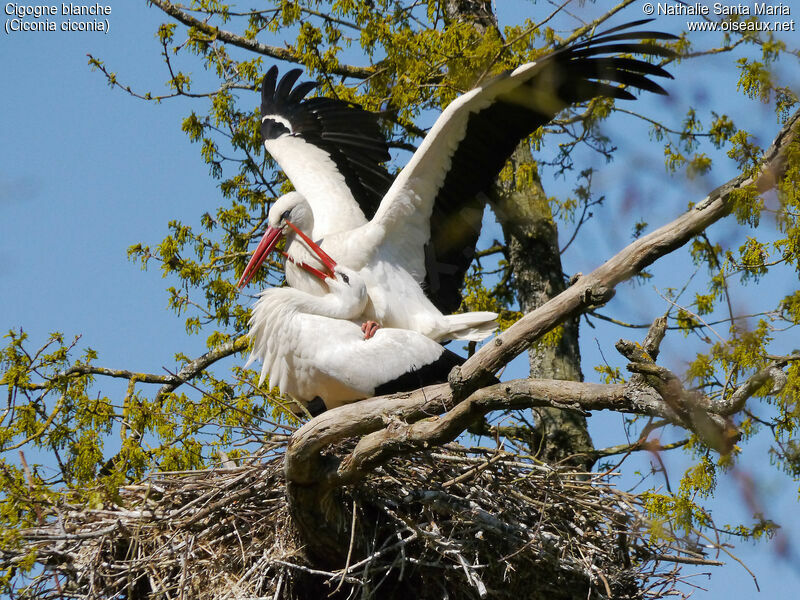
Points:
(435, 372)
(627, 25)
(301, 91)
(572, 74)
(350, 135)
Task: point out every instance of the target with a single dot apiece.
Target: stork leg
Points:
(316, 407)
(369, 328)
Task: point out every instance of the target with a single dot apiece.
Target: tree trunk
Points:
(477, 12)
(524, 213)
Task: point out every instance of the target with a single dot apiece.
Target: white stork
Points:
(310, 349)
(424, 230)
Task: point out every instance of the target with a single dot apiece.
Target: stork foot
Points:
(369, 328)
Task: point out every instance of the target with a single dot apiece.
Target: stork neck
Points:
(335, 306)
(297, 249)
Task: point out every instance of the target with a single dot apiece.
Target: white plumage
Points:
(309, 348)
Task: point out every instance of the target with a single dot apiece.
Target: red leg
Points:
(369, 328)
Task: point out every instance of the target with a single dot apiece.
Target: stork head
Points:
(343, 282)
(289, 214)
(347, 282)
(294, 207)
(347, 286)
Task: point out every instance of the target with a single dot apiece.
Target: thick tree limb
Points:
(401, 437)
(367, 416)
(394, 426)
(691, 408)
(174, 11)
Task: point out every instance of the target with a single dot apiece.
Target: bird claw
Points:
(369, 328)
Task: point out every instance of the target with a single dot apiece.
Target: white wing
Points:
(331, 151)
(465, 150)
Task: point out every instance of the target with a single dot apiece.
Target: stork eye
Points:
(346, 279)
(285, 215)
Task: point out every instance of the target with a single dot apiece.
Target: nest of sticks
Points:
(453, 522)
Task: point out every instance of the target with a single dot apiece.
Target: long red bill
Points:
(267, 244)
(307, 267)
(326, 260)
(315, 272)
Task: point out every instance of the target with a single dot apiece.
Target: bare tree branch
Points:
(169, 383)
(403, 424)
(368, 416)
(191, 369)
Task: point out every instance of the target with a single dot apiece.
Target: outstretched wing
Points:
(331, 150)
(443, 188)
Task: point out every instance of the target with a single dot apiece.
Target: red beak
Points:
(315, 272)
(326, 260)
(267, 244)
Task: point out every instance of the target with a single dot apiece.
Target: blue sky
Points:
(86, 171)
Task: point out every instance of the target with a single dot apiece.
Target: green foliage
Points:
(52, 408)
(754, 79)
(721, 129)
(681, 508)
(609, 374)
(677, 509)
(681, 150)
(477, 297)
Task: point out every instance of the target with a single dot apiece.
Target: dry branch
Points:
(625, 264)
(394, 427)
(368, 416)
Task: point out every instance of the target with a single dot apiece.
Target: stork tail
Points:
(471, 326)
